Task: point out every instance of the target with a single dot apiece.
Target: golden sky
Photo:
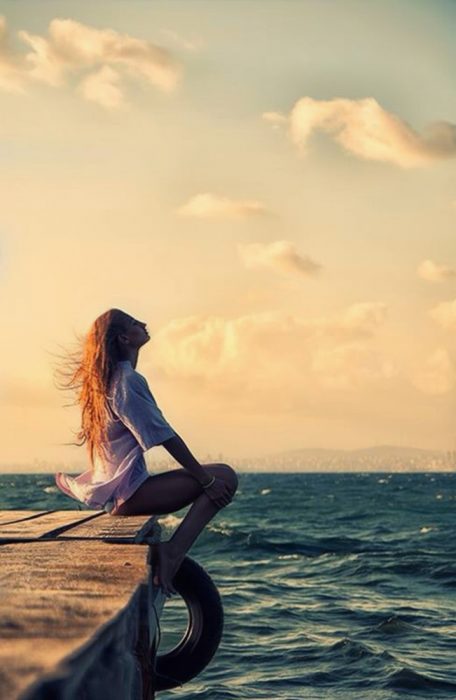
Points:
(270, 186)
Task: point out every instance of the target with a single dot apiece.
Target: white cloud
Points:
(275, 119)
(433, 272)
(208, 205)
(102, 87)
(437, 375)
(361, 319)
(265, 354)
(350, 365)
(278, 255)
(365, 129)
(72, 48)
(445, 314)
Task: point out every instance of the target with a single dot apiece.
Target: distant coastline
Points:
(379, 458)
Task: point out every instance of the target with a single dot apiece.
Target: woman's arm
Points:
(179, 450)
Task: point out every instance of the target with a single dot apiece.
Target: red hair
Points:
(88, 370)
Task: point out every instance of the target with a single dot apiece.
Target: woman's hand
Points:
(219, 492)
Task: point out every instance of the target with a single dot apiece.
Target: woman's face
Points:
(136, 333)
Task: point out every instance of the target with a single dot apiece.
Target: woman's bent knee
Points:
(225, 472)
(230, 476)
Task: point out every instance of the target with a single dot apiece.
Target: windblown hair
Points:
(88, 370)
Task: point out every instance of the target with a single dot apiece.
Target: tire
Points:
(204, 631)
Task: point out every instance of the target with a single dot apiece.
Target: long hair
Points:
(87, 371)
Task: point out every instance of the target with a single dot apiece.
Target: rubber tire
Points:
(204, 631)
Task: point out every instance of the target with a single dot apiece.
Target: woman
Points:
(120, 421)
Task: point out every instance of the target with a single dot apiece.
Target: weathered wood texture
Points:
(72, 610)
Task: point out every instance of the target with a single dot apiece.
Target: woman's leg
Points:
(171, 491)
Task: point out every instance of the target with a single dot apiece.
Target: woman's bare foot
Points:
(167, 563)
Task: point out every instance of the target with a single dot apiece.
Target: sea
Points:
(334, 585)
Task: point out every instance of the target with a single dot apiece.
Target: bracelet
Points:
(206, 486)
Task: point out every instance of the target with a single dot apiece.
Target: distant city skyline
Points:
(377, 458)
(270, 186)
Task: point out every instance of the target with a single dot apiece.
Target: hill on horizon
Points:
(373, 451)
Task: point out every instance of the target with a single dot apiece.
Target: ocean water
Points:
(338, 586)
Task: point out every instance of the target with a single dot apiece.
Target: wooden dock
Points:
(78, 610)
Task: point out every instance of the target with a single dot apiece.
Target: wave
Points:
(169, 520)
(349, 648)
(407, 679)
(446, 573)
(394, 625)
(311, 547)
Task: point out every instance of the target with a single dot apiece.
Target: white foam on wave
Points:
(265, 491)
(170, 521)
(220, 528)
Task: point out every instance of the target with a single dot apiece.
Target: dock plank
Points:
(109, 526)
(39, 526)
(7, 516)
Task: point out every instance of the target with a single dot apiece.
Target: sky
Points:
(270, 185)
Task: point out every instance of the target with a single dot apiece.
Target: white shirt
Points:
(135, 424)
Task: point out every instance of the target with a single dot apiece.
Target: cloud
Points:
(260, 357)
(433, 272)
(102, 87)
(11, 69)
(360, 320)
(275, 119)
(278, 255)
(181, 42)
(445, 314)
(362, 127)
(207, 205)
(73, 49)
(350, 365)
(437, 375)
